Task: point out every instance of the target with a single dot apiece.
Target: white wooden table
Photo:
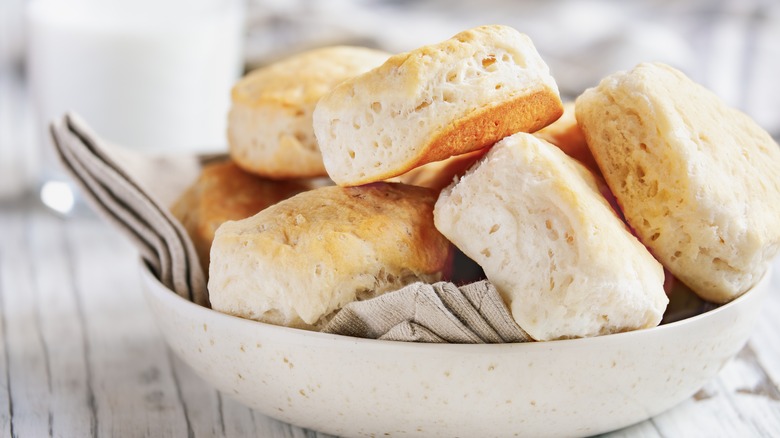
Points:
(81, 356)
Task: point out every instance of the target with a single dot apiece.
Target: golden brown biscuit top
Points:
(395, 219)
(304, 78)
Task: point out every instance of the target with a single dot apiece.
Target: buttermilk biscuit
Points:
(270, 120)
(697, 180)
(221, 193)
(440, 174)
(297, 262)
(562, 260)
(567, 135)
(441, 100)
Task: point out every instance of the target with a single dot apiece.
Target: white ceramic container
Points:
(358, 387)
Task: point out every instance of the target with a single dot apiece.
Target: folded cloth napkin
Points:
(440, 312)
(133, 192)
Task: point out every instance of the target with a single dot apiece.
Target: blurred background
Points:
(729, 46)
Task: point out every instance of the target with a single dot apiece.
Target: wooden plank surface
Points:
(26, 353)
(60, 320)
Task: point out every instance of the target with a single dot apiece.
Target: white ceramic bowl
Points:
(358, 387)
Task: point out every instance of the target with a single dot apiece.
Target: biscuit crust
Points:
(270, 121)
(297, 262)
(698, 181)
(437, 101)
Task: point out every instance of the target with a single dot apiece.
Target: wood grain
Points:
(27, 355)
(60, 320)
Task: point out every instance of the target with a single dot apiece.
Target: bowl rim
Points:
(165, 294)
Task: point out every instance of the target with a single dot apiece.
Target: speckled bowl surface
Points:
(358, 387)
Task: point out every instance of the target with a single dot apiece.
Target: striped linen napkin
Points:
(116, 182)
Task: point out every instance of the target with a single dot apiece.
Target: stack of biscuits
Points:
(572, 211)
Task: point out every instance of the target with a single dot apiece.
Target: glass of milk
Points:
(150, 75)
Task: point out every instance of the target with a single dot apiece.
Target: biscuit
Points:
(439, 174)
(299, 261)
(221, 193)
(434, 102)
(567, 135)
(563, 261)
(698, 181)
(270, 120)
